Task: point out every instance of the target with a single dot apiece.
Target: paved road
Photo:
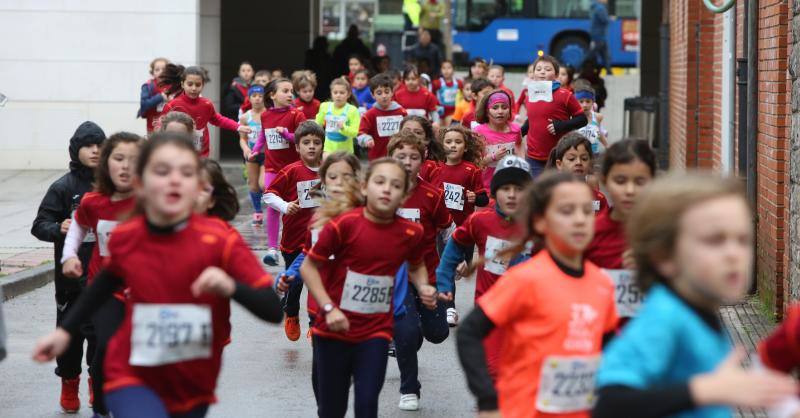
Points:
(264, 374)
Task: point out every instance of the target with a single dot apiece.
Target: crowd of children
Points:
(597, 285)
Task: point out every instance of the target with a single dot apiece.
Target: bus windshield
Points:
(474, 15)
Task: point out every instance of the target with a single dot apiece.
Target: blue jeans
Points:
(337, 362)
(537, 167)
(141, 401)
(409, 329)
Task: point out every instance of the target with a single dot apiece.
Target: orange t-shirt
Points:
(554, 325)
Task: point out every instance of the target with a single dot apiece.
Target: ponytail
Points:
(174, 74)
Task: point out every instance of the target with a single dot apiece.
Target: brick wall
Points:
(696, 120)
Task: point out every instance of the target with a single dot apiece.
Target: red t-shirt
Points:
(283, 154)
(600, 202)
(202, 112)
(460, 178)
(152, 115)
(469, 119)
(425, 205)
(309, 109)
(609, 242)
(482, 227)
(380, 125)
(552, 324)
(420, 102)
(428, 170)
(160, 269)
(564, 106)
(367, 257)
(292, 181)
(101, 214)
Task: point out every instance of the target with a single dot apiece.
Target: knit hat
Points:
(510, 170)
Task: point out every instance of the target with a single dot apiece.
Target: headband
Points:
(255, 89)
(498, 97)
(583, 94)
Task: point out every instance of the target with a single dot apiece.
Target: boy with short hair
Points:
(480, 87)
(382, 121)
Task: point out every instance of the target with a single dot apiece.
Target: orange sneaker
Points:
(91, 392)
(69, 395)
(292, 328)
(310, 336)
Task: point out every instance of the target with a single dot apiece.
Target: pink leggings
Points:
(273, 223)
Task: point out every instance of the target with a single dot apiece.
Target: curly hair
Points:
(474, 144)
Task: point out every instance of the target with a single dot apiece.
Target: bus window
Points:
(475, 15)
(564, 9)
(625, 9)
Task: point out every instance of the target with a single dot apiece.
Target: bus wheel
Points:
(571, 50)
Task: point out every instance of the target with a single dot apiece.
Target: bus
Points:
(515, 32)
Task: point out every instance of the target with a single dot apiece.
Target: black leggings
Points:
(106, 321)
(291, 301)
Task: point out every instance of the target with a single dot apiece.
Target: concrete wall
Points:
(63, 62)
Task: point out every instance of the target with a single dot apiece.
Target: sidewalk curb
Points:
(25, 281)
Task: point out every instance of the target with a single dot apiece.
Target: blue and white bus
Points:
(514, 32)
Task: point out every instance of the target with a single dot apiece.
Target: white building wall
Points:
(64, 62)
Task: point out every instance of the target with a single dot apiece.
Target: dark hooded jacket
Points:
(61, 200)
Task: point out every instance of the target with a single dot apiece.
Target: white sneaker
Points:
(409, 402)
(452, 317)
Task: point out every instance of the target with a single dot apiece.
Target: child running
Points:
(176, 121)
(416, 99)
(255, 166)
(422, 129)
(573, 154)
(552, 112)
(291, 194)
(502, 136)
(340, 118)
(692, 241)
(361, 91)
(352, 334)
(628, 167)
(382, 120)
(99, 213)
(553, 311)
(593, 130)
(459, 175)
(497, 76)
(186, 85)
(465, 104)
(446, 89)
(480, 89)
(278, 123)
(424, 205)
(492, 231)
(173, 375)
(153, 98)
(52, 222)
(304, 87)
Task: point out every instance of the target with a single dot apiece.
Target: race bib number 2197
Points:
(170, 333)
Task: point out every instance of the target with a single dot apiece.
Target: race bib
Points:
(334, 123)
(596, 205)
(627, 295)
(367, 294)
(388, 125)
(592, 133)
(540, 91)
(197, 139)
(303, 194)
(495, 264)
(567, 384)
(499, 150)
(412, 215)
(170, 333)
(450, 96)
(453, 196)
(417, 112)
(274, 140)
(104, 229)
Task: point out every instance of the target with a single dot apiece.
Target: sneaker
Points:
(409, 402)
(392, 349)
(91, 392)
(292, 327)
(70, 402)
(452, 317)
(258, 219)
(271, 258)
(310, 336)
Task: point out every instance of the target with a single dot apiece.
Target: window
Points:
(477, 14)
(564, 9)
(626, 9)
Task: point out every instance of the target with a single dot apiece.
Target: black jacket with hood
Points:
(61, 200)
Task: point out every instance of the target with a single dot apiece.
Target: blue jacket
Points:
(600, 19)
(364, 97)
(148, 99)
